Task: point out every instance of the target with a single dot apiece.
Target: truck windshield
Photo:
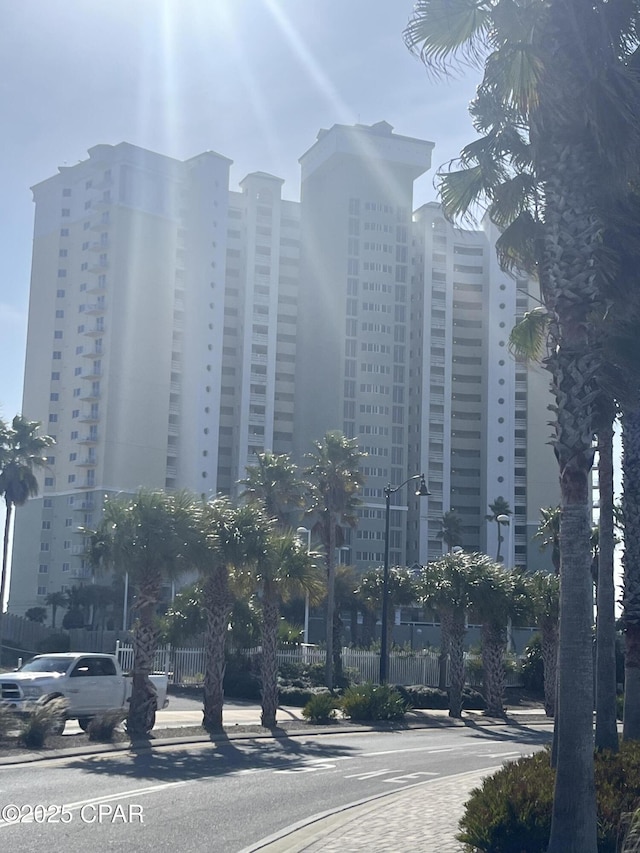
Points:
(46, 664)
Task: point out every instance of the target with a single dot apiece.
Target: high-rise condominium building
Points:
(177, 329)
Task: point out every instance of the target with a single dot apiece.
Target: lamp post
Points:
(505, 519)
(300, 532)
(422, 491)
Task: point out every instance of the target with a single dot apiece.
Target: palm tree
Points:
(499, 508)
(233, 541)
(402, 591)
(578, 122)
(549, 533)
(631, 564)
(451, 532)
(285, 570)
(543, 590)
(498, 597)
(274, 483)
(55, 600)
(149, 537)
(21, 452)
(335, 478)
(448, 586)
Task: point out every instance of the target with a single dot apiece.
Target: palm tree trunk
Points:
(549, 632)
(331, 592)
(631, 564)
(217, 606)
(494, 647)
(445, 643)
(456, 632)
(142, 707)
(606, 711)
(368, 627)
(5, 564)
(338, 625)
(269, 662)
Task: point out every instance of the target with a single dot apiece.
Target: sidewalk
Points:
(422, 817)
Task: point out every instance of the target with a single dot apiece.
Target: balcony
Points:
(99, 267)
(259, 358)
(89, 418)
(87, 462)
(96, 352)
(95, 331)
(88, 439)
(94, 375)
(85, 506)
(260, 339)
(95, 308)
(99, 246)
(80, 574)
(91, 397)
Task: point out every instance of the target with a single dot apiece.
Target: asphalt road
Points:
(223, 797)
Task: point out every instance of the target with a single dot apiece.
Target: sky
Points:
(253, 80)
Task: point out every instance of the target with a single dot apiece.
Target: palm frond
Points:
(528, 337)
(447, 34)
(517, 246)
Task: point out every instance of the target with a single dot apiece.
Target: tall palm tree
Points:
(448, 586)
(284, 571)
(148, 536)
(451, 532)
(55, 600)
(543, 590)
(274, 483)
(403, 590)
(498, 509)
(578, 119)
(234, 540)
(498, 597)
(21, 454)
(334, 479)
(549, 533)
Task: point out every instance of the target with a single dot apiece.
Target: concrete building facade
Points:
(177, 329)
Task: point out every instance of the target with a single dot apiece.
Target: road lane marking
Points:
(413, 749)
(407, 777)
(122, 795)
(370, 775)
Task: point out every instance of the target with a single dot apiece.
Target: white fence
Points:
(186, 666)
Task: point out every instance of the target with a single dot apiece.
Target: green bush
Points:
(44, 720)
(58, 642)
(373, 702)
(299, 696)
(620, 707)
(419, 696)
(533, 666)
(102, 727)
(321, 708)
(511, 811)
(8, 722)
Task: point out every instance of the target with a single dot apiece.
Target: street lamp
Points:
(422, 491)
(504, 519)
(300, 532)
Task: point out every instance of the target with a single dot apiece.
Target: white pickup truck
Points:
(91, 684)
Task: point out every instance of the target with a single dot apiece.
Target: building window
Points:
(66, 211)
(60, 294)
(42, 590)
(68, 522)
(71, 478)
(65, 568)
(48, 481)
(44, 546)
(53, 419)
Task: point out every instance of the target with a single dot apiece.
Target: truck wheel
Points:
(83, 722)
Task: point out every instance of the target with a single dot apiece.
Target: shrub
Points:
(373, 702)
(533, 667)
(511, 811)
(59, 642)
(43, 720)
(620, 707)
(239, 680)
(102, 727)
(321, 708)
(8, 722)
(299, 696)
(419, 696)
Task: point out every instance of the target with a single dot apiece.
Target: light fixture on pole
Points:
(505, 519)
(300, 532)
(422, 491)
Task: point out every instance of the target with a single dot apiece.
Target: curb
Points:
(242, 732)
